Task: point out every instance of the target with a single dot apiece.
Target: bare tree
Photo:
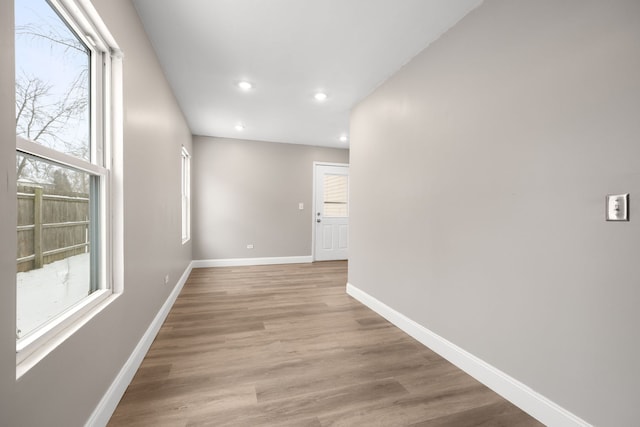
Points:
(42, 122)
(46, 117)
(56, 36)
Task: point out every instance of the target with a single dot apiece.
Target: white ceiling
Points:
(288, 49)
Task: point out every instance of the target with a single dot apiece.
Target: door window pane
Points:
(336, 196)
(54, 240)
(52, 81)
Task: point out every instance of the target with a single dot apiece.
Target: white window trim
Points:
(185, 194)
(46, 153)
(106, 162)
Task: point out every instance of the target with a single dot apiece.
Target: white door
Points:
(331, 215)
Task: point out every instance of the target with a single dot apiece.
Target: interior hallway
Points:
(284, 345)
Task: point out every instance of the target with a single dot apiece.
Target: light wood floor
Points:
(285, 346)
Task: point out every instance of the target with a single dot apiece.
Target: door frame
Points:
(313, 203)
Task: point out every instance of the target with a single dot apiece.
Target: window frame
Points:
(105, 119)
(185, 192)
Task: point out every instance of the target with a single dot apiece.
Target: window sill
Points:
(31, 349)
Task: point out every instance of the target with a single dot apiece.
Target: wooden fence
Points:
(51, 226)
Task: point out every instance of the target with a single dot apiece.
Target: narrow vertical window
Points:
(336, 198)
(63, 188)
(186, 195)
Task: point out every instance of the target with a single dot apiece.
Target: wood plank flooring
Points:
(285, 346)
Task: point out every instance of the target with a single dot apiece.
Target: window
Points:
(336, 199)
(64, 129)
(186, 195)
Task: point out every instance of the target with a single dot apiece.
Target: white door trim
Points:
(313, 203)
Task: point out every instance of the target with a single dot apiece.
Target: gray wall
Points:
(248, 192)
(494, 149)
(7, 214)
(65, 387)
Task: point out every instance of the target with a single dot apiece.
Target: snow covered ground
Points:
(48, 291)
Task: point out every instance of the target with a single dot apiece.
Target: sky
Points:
(50, 62)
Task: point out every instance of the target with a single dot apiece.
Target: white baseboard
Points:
(237, 262)
(102, 413)
(538, 406)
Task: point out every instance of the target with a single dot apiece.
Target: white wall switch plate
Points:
(250, 246)
(618, 207)
(301, 206)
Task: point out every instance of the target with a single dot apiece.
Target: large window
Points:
(186, 195)
(63, 137)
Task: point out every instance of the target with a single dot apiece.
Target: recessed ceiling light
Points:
(344, 138)
(245, 85)
(320, 96)
(239, 127)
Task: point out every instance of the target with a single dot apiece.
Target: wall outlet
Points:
(166, 279)
(250, 246)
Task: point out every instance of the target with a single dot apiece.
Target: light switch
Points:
(301, 206)
(618, 207)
